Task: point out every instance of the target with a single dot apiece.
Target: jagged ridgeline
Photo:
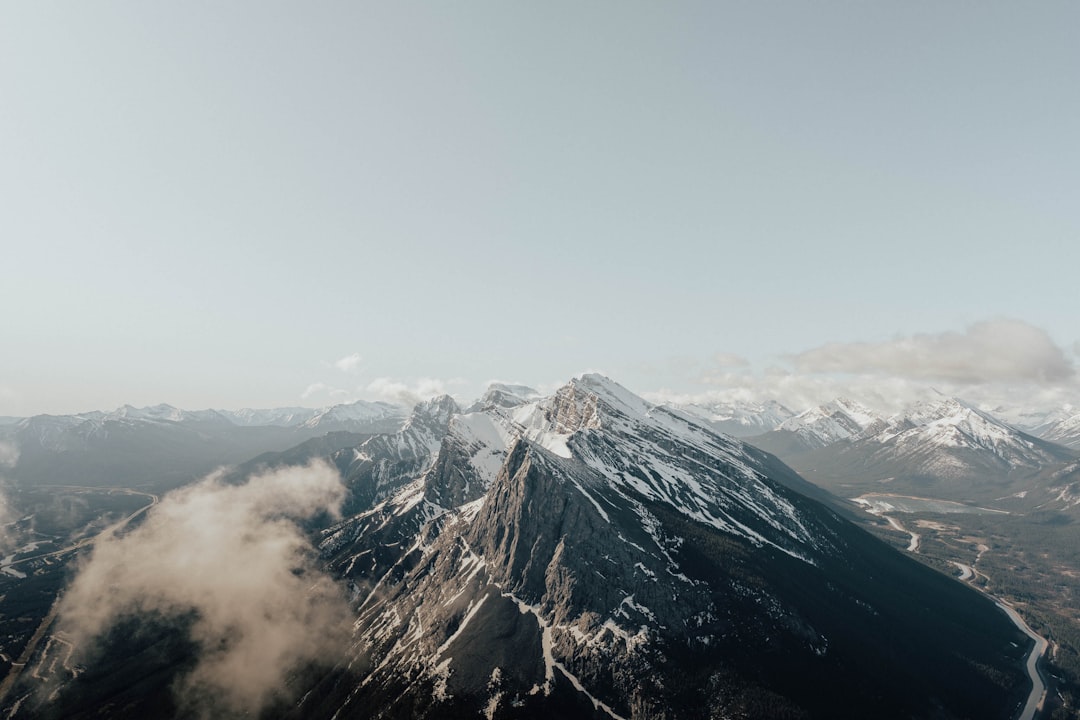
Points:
(590, 555)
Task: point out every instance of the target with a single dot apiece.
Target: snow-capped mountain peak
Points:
(835, 420)
(1065, 431)
(740, 419)
(504, 395)
(664, 455)
(360, 411)
(434, 412)
(953, 423)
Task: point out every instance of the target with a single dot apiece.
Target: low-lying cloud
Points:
(407, 394)
(9, 457)
(799, 391)
(990, 351)
(233, 556)
(9, 454)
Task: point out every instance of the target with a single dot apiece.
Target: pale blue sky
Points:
(209, 204)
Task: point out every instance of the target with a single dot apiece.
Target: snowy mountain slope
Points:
(359, 416)
(383, 464)
(817, 427)
(369, 416)
(163, 445)
(952, 423)
(590, 555)
(836, 420)
(504, 395)
(1031, 419)
(1065, 431)
(740, 419)
(663, 455)
(283, 416)
(162, 413)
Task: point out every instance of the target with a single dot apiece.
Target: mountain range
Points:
(944, 448)
(740, 419)
(591, 555)
(162, 446)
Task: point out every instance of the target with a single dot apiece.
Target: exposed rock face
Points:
(385, 463)
(505, 396)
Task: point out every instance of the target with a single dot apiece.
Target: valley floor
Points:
(1026, 567)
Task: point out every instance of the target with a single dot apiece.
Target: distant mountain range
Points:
(740, 419)
(945, 448)
(162, 446)
(1064, 431)
(591, 555)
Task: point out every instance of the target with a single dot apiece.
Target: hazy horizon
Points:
(264, 205)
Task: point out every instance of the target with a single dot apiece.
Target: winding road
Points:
(968, 575)
(1038, 686)
(19, 665)
(916, 538)
(114, 528)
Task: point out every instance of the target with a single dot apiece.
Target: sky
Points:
(263, 204)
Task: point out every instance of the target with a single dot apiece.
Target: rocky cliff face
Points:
(383, 464)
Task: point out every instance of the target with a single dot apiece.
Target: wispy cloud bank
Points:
(408, 393)
(334, 393)
(991, 351)
(994, 364)
(233, 555)
(799, 391)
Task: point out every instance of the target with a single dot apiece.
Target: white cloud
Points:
(334, 393)
(349, 363)
(798, 391)
(234, 556)
(9, 457)
(990, 351)
(9, 454)
(409, 393)
(314, 389)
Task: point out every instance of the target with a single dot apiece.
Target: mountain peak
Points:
(161, 411)
(740, 418)
(945, 410)
(611, 392)
(504, 395)
(360, 411)
(836, 420)
(434, 412)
